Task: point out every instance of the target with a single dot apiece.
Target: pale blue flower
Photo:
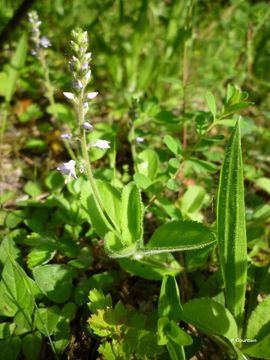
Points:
(68, 169)
(87, 126)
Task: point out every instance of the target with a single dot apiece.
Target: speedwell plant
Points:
(117, 215)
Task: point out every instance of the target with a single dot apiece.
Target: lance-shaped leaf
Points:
(179, 236)
(169, 299)
(232, 227)
(131, 215)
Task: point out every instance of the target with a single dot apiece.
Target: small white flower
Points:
(139, 139)
(45, 42)
(85, 66)
(69, 95)
(92, 95)
(68, 169)
(66, 136)
(88, 75)
(101, 144)
(77, 84)
(87, 126)
(87, 56)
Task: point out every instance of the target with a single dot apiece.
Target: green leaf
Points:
(264, 184)
(168, 329)
(111, 200)
(8, 248)
(131, 215)
(62, 331)
(210, 317)
(176, 351)
(193, 199)
(202, 165)
(46, 319)
(231, 226)
(142, 181)
(40, 255)
(17, 63)
(152, 268)
(63, 112)
(55, 281)
(169, 299)
(174, 184)
(23, 321)
(15, 293)
(14, 218)
(179, 236)
(6, 330)
(211, 103)
(114, 246)
(258, 326)
(173, 145)
(148, 163)
(98, 300)
(31, 346)
(10, 349)
(32, 188)
(260, 350)
(32, 112)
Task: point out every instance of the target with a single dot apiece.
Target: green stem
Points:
(133, 147)
(89, 172)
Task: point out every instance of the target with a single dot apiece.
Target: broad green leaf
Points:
(148, 163)
(179, 236)
(8, 248)
(173, 145)
(40, 255)
(31, 346)
(259, 350)
(142, 181)
(168, 329)
(193, 199)
(131, 215)
(62, 331)
(210, 317)
(23, 321)
(10, 349)
(258, 326)
(231, 226)
(111, 200)
(263, 183)
(15, 291)
(17, 63)
(55, 281)
(32, 188)
(211, 103)
(46, 319)
(169, 299)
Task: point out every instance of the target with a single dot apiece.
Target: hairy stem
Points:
(89, 172)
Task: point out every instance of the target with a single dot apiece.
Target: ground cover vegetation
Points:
(134, 184)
